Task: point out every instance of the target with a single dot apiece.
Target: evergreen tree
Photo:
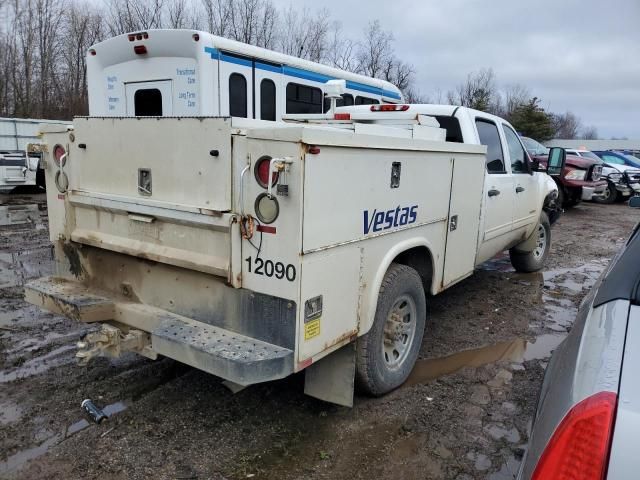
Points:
(530, 120)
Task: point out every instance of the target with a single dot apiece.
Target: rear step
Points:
(226, 354)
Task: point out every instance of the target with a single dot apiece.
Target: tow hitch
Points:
(112, 341)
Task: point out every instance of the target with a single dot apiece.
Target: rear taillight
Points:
(389, 107)
(342, 116)
(59, 155)
(261, 171)
(579, 447)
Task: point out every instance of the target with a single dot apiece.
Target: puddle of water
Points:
(14, 462)
(543, 346)
(18, 267)
(516, 351)
(38, 365)
(9, 413)
(577, 278)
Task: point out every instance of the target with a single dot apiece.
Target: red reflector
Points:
(266, 229)
(342, 116)
(313, 149)
(262, 172)
(140, 49)
(389, 107)
(58, 155)
(579, 447)
(92, 52)
(60, 196)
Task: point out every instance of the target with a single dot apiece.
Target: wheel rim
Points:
(607, 193)
(399, 332)
(541, 243)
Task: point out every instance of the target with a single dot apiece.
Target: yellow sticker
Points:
(312, 329)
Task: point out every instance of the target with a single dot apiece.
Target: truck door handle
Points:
(519, 189)
(493, 192)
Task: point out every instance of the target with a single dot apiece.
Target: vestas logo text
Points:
(377, 221)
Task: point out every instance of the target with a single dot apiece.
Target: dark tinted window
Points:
(303, 99)
(516, 152)
(237, 95)
(365, 100)
(452, 126)
(345, 101)
(148, 102)
(267, 100)
(490, 137)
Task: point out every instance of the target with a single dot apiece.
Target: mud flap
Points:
(332, 378)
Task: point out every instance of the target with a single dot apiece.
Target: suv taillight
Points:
(579, 447)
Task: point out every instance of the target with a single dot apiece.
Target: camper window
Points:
(303, 99)
(267, 100)
(148, 102)
(237, 95)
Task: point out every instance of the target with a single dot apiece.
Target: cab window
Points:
(613, 160)
(516, 152)
(489, 136)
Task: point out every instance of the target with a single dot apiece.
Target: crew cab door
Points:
(526, 196)
(499, 184)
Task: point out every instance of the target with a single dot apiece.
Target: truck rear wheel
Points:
(534, 260)
(387, 353)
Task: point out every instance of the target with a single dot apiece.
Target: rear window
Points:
(237, 95)
(148, 102)
(366, 100)
(303, 99)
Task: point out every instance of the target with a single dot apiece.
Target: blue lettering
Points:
(384, 220)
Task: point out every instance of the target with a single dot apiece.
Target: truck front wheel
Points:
(387, 353)
(534, 260)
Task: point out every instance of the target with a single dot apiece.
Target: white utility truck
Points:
(253, 250)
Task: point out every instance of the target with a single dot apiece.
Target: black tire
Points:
(534, 260)
(376, 372)
(610, 194)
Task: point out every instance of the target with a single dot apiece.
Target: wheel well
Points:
(418, 258)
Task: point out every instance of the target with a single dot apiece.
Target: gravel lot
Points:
(464, 413)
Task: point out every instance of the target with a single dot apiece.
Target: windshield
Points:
(533, 147)
(590, 155)
(634, 161)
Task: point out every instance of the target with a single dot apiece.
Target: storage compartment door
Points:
(464, 217)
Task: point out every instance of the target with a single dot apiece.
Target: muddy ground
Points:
(465, 415)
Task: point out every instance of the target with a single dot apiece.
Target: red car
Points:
(581, 178)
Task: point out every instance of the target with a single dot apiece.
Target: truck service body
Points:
(253, 249)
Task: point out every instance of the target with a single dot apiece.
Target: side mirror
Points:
(555, 161)
(634, 202)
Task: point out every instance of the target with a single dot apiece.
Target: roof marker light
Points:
(389, 107)
(195, 37)
(92, 52)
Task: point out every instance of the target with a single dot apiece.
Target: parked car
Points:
(588, 415)
(625, 168)
(580, 179)
(619, 185)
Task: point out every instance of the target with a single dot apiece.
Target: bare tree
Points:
(566, 125)
(133, 15)
(341, 51)
(478, 91)
(590, 133)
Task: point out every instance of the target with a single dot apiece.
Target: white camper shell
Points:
(191, 73)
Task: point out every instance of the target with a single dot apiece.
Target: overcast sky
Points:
(581, 56)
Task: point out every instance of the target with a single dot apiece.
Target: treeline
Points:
(516, 104)
(43, 43)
